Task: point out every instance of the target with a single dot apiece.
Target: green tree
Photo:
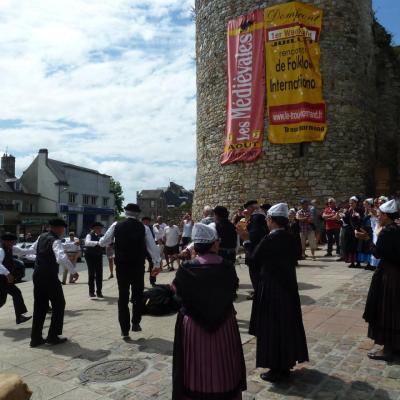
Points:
(116, 190)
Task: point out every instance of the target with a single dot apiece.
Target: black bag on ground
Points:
(160, 300)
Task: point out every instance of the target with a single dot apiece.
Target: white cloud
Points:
(107, 84)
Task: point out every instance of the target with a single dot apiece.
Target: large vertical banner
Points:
(296, 108)
(246, 89)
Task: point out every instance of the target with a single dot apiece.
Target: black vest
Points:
(8, 261)
(94, 251)
(130, 242)
(227, 234)
(46, 265)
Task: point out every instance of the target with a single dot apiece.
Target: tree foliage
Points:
(116, 190)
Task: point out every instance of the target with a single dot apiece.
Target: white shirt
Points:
(17, 251)
(159, 231)
(70, 246)
(187, 228)
(58, 249)
(172, 234)
(151, 246)
(89, 242)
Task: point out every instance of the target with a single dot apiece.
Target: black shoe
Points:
(380, 356)
(21, 319)
(136, 328)
(37, 343)
(340, 259)
(328, 255)
(369, 268)
(100, 295)
(63, 283)
(170, 269)
(111, 276)
(91, 294)
(351, 266)
(125, 335)
(56, 340)
(274, 376)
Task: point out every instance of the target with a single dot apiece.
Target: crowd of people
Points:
(274, 238)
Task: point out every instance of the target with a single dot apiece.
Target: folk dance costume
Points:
(7, 263)
(208, 361)
(276, 318)
(131, 240)
(351, 222)
(94, 261)
(47, 287)
(382, 308)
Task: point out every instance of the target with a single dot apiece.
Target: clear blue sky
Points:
(388, 14)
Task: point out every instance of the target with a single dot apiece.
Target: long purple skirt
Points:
(212, 362)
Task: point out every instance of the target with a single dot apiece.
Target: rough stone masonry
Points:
(361, 82)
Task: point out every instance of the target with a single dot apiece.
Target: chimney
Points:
(43, 155)
(8, 165)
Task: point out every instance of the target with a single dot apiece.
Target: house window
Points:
(152, 204)
(105, 201)
(72, 198)
(86, 199)
(93, 200)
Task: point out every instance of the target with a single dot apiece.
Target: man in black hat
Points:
(46, 285)
(7, 276)
(257, 229)
(94, 259)
(131, 239)
(226, 233)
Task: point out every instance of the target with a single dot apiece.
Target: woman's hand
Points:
(361, 235)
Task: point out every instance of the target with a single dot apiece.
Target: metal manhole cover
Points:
(112, 370)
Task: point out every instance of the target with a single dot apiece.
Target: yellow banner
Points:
(296, 108)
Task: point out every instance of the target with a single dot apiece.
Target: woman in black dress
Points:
(276, 318)
(382, 311)
(208, 362)
(351, 222)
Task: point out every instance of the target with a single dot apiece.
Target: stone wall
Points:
(343, 164)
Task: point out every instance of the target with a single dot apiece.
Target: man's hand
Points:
(10, 278)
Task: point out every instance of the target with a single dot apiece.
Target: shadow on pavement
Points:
(306, 300)
(307, 286)
(314, 384)
(154, 346)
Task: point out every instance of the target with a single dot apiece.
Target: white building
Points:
(80, 195)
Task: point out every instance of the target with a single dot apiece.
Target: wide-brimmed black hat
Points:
(8, 236)
(97, 224)
(132, 208)
(57, 222)
(250, 203)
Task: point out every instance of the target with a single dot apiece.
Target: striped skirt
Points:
(212, 362)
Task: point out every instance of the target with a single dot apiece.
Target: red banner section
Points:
(246, 84)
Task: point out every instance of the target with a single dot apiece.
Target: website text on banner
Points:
(296, 108)
(246, 89)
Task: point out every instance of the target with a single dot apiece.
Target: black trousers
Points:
(45, 290)
(95, 270)
(130, 277)
(153, 279)
(7, 288)
(333, 236)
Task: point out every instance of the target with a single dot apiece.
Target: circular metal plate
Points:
(112, 370)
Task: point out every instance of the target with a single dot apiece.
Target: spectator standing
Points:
(317, 221)
(294, 229)
(307, 228)
(110, 253)
(363, 248)
(187, 227)
(172, 236)
(208, 216)
(332, 226)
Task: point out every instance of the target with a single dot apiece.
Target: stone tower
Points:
(353, 46)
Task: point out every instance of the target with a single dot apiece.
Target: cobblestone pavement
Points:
(333, 298)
